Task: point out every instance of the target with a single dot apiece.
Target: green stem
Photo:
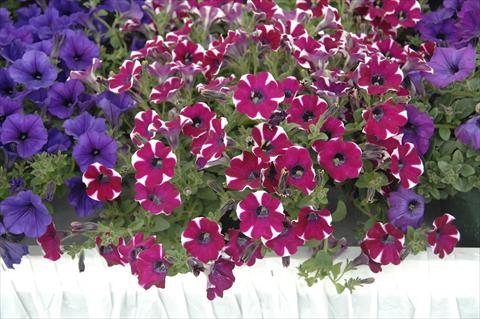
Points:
(449, 126)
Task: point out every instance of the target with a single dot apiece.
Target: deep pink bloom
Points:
(187, 52)
(309, 52)
(391, 50)
(170, 129)
(267, 35)
(110, 251)
(50, 243)
(137, 244)
(306, 110)
(313, 224)
(166, 91)
(389, 144)
(290, 86)
(380, 8)
(242, 249)
(265, 7)
(212, 62)
(407, 13)
(384, 243)
(261, 215)
(298, 163)
(315, 6)
(269, 141)
(201, 115)
(151, 267)
(88, 75)
(287, 242)
(123, 80)
(220, 278)
(257, 96)
(385, 120)
(154, 163)
(140, 133)
(158, 199)
(333, 85)
(341, 160)
(152, 47)
(210, 145)
(378, 75)
(202, 239)
(406, 165)
(102, 183)
(333, 128)
(217, 88)
(444, 236)
(244, 172)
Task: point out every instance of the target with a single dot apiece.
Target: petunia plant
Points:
(201, 137)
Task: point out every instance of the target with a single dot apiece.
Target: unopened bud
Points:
(286, 261)
(369, 280)
(80, 227)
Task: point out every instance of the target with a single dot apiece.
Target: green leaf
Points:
(443, 166)
(340, 288)
(467, 170)
(160, 224)
(444, 133)
(339, 213)
(457, 157)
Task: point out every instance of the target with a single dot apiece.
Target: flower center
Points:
(377, 114)
(204, 238)
(308, 116)
(256, 97)
(23, 136)
(241, 241)
(103, 179)
(400, 163)
(267, 147)
(188, 58)
(412, 205)
(378, 80)
(378, 4)
(297, 171)
(388, 239)
(2, 118)
(160, 266)
(338, 159)
(157, 162)
(37, 75)
(253, 175)
(77, 57)
(312, 217)
(137, 250)
(441, 36)
(261, 211)
(197, 122)
(454, 68)
(402, 15)
(154, 198)
(287, 93)
(95, 152)
(478, 122)
(68, 103)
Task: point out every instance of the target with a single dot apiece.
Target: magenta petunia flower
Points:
(137, 244)
(333, 128)
(110, 251)
(257, 96)
(385, 120)
(187, 53)
(102, 183)
(170, 129)
(342, 160)
(267, 35)
(287, 242)
(220, 278)
(290, 86)
(406, 165)
(50, 243)
(269, 141)
(154, 163)
(140, 133)
(378, 76)
(306, 110)
(384, 243)
(201, 115)
(389, 144)
(212, 62)
(444, 236)
(203, 239)
(151, 267)
(407, 13)
(210, 146)
(158, 199)
(391, 50)
(166, 91)
(380, 8)
(242, 249)
(313, 224)
(244, 172)
(127, 74)
(261, 215)
(298, 163)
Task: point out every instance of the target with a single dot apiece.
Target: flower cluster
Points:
(218, 138)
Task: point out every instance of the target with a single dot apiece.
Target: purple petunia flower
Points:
(468, 22)
(46, 46)
(11, 252)
(34, 70)
(442, 33)
(24, 14)
(26, 132)
(63, 98)
(83, 123)
(418, 130)
(4, 18)
(49, 23)
(8, 107)
(450, 65)
(469, 132)
(113, 105)
(7, 85)
(25, 213)
(406, 209)
(78, 51)
(78, 198)
(13, 51)
(95, 147)
(57, 141)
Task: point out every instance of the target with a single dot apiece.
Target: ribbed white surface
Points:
(423, 286)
